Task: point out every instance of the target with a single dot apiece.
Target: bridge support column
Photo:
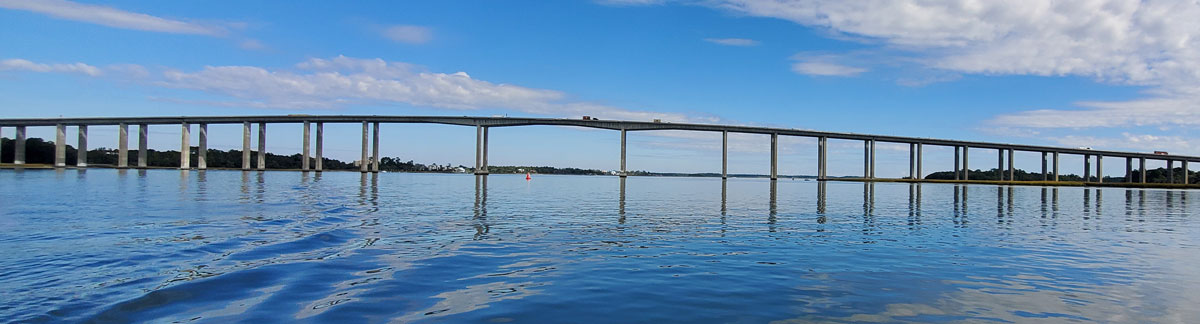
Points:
(774, 156)
(957, 163)
(246, 146)
(202, 150)
(1128, 170)
(185, 147)
(304, 146)
(866, 159)
(81, 150)
(320, 159)
(1099, 169)
(262, 146)
(1142, 164)
(481, 143)
(623, 171)
(19, 146)
(920, 161)
(1087, 168)
(375, 148)
(1056, 166)
(912, 160)
(966, 173)
(822, 158)
(122, 146)
(872, 159)
(143, 142)
(1185, 171)
(1000, 164)
(1045, 175)
(1170, 171)
(1012, 172)
(724, 153)
(363, 163)
(60, 146)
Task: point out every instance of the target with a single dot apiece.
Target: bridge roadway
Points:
(1050, 155)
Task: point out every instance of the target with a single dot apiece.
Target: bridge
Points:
(370, 142)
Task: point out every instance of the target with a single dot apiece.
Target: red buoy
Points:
(527, 177)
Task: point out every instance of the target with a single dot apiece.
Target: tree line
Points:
(40, 151)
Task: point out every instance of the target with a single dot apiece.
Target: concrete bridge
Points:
(370, 149)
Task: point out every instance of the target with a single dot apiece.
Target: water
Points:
(221, 246)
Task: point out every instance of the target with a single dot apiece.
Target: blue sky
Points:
(1116, 75)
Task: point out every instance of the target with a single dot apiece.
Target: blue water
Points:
(223, 246)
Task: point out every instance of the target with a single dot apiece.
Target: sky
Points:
(1105, 74)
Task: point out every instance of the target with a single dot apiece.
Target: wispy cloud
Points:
(732, 41)
(26, 65)
(1146, 43)
(112, 17)
(344, 82)
(408, 34)
(823, 65)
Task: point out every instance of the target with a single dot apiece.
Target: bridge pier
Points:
(262, 146)
(1012, 171)
(1142, 164)
(60, 146)
(1045, 175)
(1087, 168)
(1055, 166)
(320, 159)
(202, 154)
(1170, 171)
(822, 158)
(774, 156)
(912, 161)
(185, 147)
(246, 146)
(1128, 170)
(481, 142)
(375, 148)
(304, 147)
(19, 146)
(122, 146)
(143, 141)
(724, 153)
(81, 150)
(1185, 171)
(920, 161)
(623, 171)
(957, 163)
(872, 159)
(1000, 164)
(966, 174)
(866, 159)
(1099, 169)
(362, 162)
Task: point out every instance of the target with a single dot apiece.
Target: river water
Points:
(221, 246)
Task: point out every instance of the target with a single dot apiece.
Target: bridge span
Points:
(370, 142)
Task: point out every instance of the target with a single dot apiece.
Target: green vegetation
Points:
(39, 151)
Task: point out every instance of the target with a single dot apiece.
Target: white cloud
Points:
(823, 65)
(111, 17)
(1154, 43)
(408, 34)
(1131, 142)
(25, 65)
(732, 41)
